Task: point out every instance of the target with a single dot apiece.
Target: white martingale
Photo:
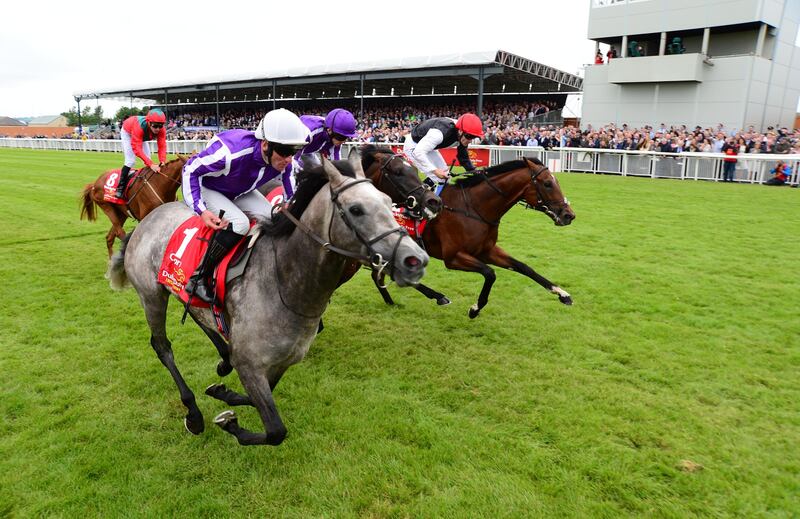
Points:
(560, 291)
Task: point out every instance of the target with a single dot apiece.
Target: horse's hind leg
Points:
(224, 365)
(499, 257)
(155, 309)
(221, 391)
(256, 383)
(463, 261)
(117, 230)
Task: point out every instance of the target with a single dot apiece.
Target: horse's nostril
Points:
(412, 261)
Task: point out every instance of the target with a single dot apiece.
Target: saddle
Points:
(111, 184)
(185, 251)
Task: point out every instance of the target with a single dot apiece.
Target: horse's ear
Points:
(355, 161)
(334, 177)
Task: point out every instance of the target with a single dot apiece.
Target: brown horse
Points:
(465, 233)
(146, 191)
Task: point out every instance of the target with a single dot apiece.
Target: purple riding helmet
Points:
(342, 122)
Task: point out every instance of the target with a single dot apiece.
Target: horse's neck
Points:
(308, 274)
(485, 200)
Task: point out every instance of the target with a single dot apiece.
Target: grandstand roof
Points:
(10, 121)
(502, 73)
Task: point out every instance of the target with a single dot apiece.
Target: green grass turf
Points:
(682, 345)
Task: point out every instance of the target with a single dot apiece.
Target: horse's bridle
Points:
(410, 200)
(540, 204)
(375, 260)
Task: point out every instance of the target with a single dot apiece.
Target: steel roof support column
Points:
(216, 103)
(480, 91)
(361, 90)
(80, 126)
(274, 93)
(166, 101)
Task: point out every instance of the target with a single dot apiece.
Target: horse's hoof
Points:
(443, 301)
(224, 368)
(474, 311)
(224, 418)
(213, 388)
(567, 300)
(194, 427)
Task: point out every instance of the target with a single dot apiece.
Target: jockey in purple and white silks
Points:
(326, 138)
(226, 175)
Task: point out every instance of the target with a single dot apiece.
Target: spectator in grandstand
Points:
(437, 133)
(226, 176)
(731, 149)
(612, 53)
(780, 174)
(326, 138)
(598, 58)
(136, 131)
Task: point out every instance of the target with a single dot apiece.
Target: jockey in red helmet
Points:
(437, 133)
(136, 131)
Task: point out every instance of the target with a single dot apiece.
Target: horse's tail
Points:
(116, 266)
(87, 207)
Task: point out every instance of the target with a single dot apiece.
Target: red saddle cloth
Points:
(413, 226)
(110, 187)
(184, 252)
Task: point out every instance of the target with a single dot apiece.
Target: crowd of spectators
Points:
(506, 124)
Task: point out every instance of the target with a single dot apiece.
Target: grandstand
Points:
(471, 78)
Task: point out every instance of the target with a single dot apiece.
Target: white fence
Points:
(750, 168)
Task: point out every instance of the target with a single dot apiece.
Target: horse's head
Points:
(395, 176)
(544, 194)
(366, 225)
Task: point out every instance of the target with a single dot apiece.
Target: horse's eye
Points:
(356, 210)
(548, 184)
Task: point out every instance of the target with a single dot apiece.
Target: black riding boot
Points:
(123, 181)
(198, 284)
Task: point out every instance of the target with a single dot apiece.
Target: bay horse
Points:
(465, 234)
(147, 190)
(274, 308)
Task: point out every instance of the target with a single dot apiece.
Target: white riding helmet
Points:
(282, 127)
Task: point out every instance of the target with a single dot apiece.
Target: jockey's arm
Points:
(463, 158)
(212, 159)
(161, 140)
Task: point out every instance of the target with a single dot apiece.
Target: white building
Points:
(701, 62)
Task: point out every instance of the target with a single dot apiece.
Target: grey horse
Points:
(274, 308)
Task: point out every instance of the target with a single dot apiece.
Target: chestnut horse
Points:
(465, 233)
(146, 191)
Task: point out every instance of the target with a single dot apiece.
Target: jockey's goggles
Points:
(286, 150)
(339, 137)
(469, 137)
(157, 126)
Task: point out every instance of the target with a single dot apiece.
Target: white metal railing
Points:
(750, 168)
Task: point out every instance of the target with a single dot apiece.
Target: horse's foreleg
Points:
(257, 385)
(430, 293)
(156, 311)
(463, 261)
(499, 257)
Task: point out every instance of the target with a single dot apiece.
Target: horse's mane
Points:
(368, 152)
(470, 180)
(309, 182)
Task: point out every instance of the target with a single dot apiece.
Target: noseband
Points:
(375, 260)
(410, 199)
